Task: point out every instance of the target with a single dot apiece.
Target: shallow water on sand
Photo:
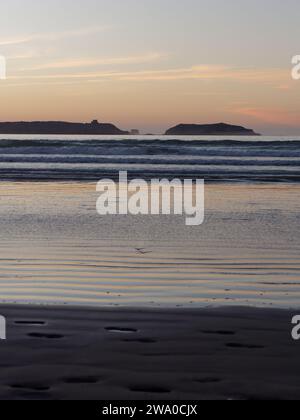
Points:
(55, 249)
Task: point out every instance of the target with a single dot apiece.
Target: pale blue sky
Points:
(152, 63)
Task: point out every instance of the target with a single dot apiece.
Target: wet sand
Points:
(63, 353)
(56, 249)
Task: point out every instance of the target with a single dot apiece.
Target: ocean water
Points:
(56, 249)
(269, 159)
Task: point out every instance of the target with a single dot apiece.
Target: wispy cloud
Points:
(270, 115)
(208, 72)
(51, 36)
(203, 72)
(15, 40)
(91, 62)
(22, 56)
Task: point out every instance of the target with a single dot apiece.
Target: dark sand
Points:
(67, 353)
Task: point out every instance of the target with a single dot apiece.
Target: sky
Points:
(151, 64)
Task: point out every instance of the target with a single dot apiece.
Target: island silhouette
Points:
(60, 127)
(96, 128)
(219, 129)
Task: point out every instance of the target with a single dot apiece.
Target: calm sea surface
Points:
(55, 248)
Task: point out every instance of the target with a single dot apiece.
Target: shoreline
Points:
(46, 178)
(69, 353)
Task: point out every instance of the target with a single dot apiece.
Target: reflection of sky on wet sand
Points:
(56, 249)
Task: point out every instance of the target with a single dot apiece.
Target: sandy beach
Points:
(133, 354)
(214, 317)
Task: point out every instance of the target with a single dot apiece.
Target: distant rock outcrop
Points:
(209, 130)
(59, 127)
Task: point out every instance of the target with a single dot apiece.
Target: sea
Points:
(269, 159)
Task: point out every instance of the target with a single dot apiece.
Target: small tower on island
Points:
(135, 132)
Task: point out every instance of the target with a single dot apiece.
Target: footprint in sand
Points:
(140, 340)
(208, 380)
(31, 387)
(30, 323)
(149, 389)
(46, 336)
(220, 332)
(118, 330)
(81, 380)
(244, 346)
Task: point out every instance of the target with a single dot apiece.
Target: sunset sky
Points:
(150, 64)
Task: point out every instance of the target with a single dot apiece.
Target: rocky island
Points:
(59, 127)
(220, 129)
